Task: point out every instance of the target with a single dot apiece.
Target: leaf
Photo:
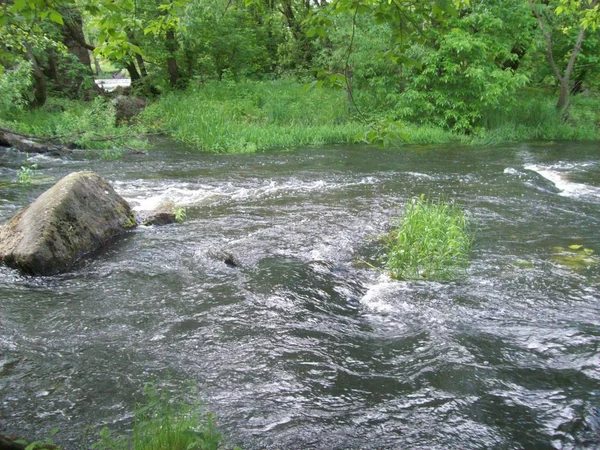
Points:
(575, 247)
(56, 17)
(19, 5)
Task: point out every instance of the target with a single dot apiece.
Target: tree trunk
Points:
(74, 40)
(133, 72)
(138, 58)
(562, 77)
(563, 96)
(39, 80)
(173, 70)
(141, 65)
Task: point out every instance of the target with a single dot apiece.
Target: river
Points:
(303, 347)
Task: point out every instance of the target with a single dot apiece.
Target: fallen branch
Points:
(46, 144)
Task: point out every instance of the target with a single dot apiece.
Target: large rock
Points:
(78, 214)
(127, 108)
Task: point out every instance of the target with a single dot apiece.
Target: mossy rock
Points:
(77, 215)
(576, 257)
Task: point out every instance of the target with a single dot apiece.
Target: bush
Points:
(14, 84)
(432, 241)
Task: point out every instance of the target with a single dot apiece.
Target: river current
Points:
(302, 346)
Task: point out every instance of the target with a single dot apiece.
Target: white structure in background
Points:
(110, 84)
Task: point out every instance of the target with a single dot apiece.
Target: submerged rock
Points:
(163, 214)
(225, 257)
(77, 215)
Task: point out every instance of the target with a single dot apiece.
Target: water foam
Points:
(557, 175)
(145, 195)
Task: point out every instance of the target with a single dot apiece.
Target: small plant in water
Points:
(432, 241)
(165, 423)
(45, 444)
(26, 172)
(180, 214)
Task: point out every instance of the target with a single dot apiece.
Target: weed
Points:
(26, 172)
(432, 241)
(165, 423)
(111, 155)
(45, 444)
(180, 214)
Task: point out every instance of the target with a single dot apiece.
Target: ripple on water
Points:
(297, 347)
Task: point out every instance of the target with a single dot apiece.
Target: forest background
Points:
(246, 75)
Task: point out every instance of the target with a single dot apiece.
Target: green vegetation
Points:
(88, 125)
(250, 116)
(165, 423)
(26, 172)
(432, 242)
(180, 214)
(576, 257)
(228, 76)
(162, 422)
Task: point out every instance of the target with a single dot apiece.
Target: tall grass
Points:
(431, 242)
(249, 116)
(535, 117)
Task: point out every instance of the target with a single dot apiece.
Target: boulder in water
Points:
(163, 214)
(77, 215)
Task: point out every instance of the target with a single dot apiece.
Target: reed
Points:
(431, 242)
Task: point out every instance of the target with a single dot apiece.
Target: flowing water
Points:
(302, 346)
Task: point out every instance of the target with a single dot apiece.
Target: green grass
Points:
(85, 124)
(250, 116)
(165, 423)
(431, 242)
(246, 117)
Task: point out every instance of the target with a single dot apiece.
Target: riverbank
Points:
(247, 117)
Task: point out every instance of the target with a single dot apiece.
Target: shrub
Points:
(432, 241)
(14, 84)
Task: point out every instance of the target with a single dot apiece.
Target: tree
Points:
(579, 12)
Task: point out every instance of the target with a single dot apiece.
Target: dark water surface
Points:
(301, 347)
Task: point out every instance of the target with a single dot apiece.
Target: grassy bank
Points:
(87, 125)
(250, 116)
(246, 117)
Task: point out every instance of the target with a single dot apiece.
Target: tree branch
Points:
(548, 39)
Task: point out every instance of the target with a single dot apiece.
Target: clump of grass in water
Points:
(163, 423)
(431, 242)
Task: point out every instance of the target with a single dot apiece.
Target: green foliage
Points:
(26, 173)
(251, 116)
(14, 84)
(45, 444)
(469, 69)
(180, 214)
(87, 124)
(432, 241)
(165, 423)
